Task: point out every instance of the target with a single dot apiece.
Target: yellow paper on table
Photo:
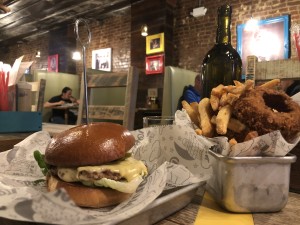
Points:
(211, 214)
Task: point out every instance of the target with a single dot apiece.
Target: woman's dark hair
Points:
(66, 89)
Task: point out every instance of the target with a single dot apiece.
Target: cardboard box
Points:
(11, 122)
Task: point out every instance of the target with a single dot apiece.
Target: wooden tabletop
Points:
(289, 215)
(8, 140)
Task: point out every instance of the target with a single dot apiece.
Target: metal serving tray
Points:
(168, 203)
(250, 184)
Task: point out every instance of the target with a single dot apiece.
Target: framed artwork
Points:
(101, 59)
(269, 40)
(154, 64)
(152, 92)
(53, 63)
(155, 43)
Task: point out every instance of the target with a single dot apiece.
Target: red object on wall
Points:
(53, 63)
(154, 64)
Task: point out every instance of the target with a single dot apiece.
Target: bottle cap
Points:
(225, 10)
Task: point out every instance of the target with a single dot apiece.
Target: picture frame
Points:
(53, 63)
(155, 43)
(101, 59)
(154, 64)
(152, 92)
(269, 40)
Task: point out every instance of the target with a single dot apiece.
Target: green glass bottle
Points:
(222, 64)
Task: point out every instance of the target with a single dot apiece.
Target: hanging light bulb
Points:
(76, 56)
(252, 24)
(38, 54)
(144, 30)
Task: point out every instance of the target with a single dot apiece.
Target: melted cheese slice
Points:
(130, 169)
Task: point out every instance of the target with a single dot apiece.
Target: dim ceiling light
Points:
(76, 56)
(38, 54)
(252, 24)
(144, 30)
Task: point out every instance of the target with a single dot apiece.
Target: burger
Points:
(91, 162)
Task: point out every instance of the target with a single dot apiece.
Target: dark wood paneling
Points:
(158, 15)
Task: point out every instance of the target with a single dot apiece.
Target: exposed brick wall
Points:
(113, 32)
(29, 50)
(195, 36)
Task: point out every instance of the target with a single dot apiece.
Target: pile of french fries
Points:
(213, 116)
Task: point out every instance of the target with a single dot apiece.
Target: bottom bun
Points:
(86, 196)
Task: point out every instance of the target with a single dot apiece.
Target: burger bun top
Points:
(89, 145)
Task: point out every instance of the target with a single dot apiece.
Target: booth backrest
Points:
(175, 79)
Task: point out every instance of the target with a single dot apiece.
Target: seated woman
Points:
(58, 115)
(191, 93)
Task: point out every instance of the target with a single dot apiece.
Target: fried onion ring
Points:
(266, 110)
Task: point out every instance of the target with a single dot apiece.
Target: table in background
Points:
(66, 109)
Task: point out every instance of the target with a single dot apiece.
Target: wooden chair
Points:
(38, 94)
(110, 103)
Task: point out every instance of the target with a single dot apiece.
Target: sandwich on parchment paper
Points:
(92, 164)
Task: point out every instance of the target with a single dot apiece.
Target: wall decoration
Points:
(154, 64)
(155, 43)
(269, 40)
(53, 63)
(101, 59)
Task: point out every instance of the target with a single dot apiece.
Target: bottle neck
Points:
(223, 30)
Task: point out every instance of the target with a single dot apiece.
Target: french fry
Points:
(198, 131)
(237, 83)
(238, 90)
(232, 141)
(191, 112)
(223, 99)
(205, 113)
(249, 84)
(214, 102)
(218, 91)
(222, 119)
(234, 124)
(231, 98)
(251, 135)
(194, 105)
(271, 83)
